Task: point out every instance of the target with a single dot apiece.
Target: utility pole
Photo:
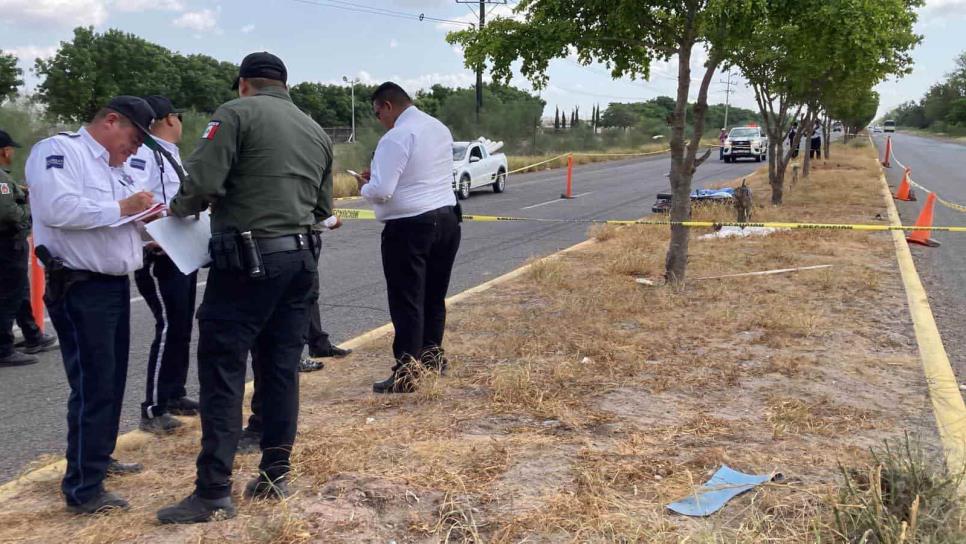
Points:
(727, 97)
(479, 69)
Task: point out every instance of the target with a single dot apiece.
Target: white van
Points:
(889, 126)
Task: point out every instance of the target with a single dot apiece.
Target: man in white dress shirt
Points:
(411, 187)
(79, 187)
(168, 293)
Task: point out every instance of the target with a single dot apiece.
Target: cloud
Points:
(205, 20)
(938, 11)
(247, 28)
(424, 81)
(148, 5)
(393, 43)
(26, 55)
(58, 13)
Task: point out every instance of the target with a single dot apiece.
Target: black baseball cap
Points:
(6, 140)
(161, 105)
(261, 64)
(137, 110)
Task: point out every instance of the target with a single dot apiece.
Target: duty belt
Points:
(291, 242)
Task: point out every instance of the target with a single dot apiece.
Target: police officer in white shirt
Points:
(79, 187)
(168, 293)
(411, 187)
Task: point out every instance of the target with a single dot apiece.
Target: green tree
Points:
(203, 84)
(10, 76)
(626, 35)
(796, 61)
(90, 69)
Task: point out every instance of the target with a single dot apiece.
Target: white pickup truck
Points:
(477, 164)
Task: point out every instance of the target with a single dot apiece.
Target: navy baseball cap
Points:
(6, 140)
(261, 64)
(161, 105)
(137, 110)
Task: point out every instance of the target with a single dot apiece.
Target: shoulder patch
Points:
(211, 130)
(138, 163)
(69, 134)
(4, 189)
(55, 161)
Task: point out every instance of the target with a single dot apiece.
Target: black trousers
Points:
(13, 289)
(815, 152)
(93, 323)
(417, 260)
(239, 314)
(318, 341)
(171, 297)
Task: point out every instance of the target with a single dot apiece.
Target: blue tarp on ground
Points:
(724, 485)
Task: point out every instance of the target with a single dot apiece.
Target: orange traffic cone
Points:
(888, 153)
(904, 192)
(36, 288)
(921, 237)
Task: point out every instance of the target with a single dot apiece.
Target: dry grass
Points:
(578, 403)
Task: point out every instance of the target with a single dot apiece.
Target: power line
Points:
(371, 10)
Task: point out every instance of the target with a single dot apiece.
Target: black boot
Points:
(434, 359)
(404, 378)
(15, 358)
(261, 487)
(45, 342)
(102, 502)
(194, 509)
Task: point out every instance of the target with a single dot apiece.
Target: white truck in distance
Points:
(477, 164)
(749, 142)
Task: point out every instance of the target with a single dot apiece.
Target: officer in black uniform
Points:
(265, 168)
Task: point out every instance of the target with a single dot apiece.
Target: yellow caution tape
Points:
(369, 214)
(536, 164)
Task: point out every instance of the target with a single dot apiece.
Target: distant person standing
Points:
(792, 133)
(168, 293)
(815, 151)
(722, 136)
(79, 188)
(14, 277)
(411, 187)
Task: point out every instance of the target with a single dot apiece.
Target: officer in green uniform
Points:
(14, 281)
(265, 169)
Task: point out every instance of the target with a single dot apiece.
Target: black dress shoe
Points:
(102, 502)
(194, 509)
(331, 351)
(117, 468)
(250, 442)
(163, 424)
(402, 380)
(434, 359)
(46, 342)
(260, 487)
(18, 359)
(183, 407)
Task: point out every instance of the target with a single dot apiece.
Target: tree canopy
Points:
(10, 76)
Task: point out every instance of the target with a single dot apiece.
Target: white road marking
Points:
(555, 200)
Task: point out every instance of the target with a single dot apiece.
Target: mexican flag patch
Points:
(210, 130)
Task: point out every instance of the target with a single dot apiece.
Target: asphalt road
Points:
(33, 399)
(939, 165)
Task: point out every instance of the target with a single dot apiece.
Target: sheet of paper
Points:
(153, 210)
(184, 239)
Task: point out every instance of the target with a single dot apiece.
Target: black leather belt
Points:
(291, 242)
(75, 276)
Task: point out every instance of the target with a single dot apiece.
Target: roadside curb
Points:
(947, 401)
(135, 439)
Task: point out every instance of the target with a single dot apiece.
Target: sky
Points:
(379, 40)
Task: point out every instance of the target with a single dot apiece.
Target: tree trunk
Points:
(826, 135)
(777, 162)
(809, 125)
(677, 252)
